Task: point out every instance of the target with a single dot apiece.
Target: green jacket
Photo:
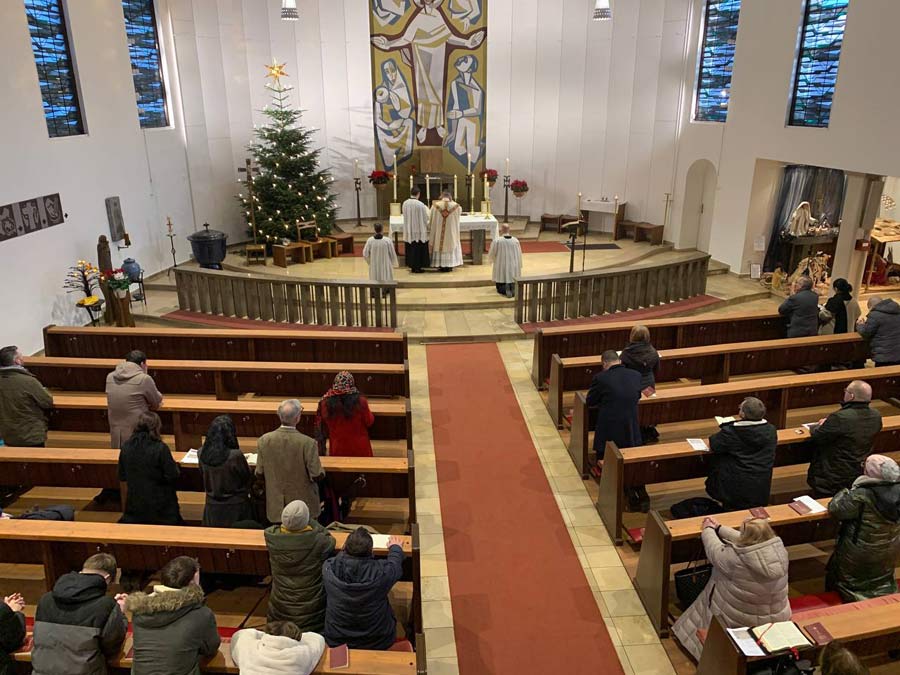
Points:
(868, 542)
(296, 560)
(24, 408)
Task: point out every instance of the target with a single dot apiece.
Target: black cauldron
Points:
(208, 247)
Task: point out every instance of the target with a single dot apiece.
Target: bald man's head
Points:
(858, 391)
(874, 300)
(504, 228)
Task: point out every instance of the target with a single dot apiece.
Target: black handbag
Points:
(690, 582)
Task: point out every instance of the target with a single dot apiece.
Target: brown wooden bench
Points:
(671, 333)
(678, 541)
(225, 379)
(666, 462)
(297, 252)
(713, 363)
(639, 232)
(778, 394)
(311, 346)
(867, 627)
(385, 477)
(188, 419)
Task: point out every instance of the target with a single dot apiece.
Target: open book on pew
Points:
(191, 457)
(778, 637)
(806, 504)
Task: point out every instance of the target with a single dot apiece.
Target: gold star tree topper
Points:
(276, 71)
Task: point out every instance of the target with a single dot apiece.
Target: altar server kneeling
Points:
(380, 255)
(506, 255)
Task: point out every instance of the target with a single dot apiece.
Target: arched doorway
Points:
(699, 204)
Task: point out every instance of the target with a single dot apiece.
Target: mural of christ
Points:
(426, 44)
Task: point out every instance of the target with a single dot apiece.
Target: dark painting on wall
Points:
(30, 215)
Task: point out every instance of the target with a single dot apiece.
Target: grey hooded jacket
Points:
(882, 330)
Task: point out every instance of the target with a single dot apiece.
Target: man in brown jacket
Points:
(130, 392)
(289, 461)
(24, 403)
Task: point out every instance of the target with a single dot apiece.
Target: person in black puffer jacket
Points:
(357, 611)
(12, 631)
(173, 627)
(743, 454)
(640, 355)
(882, 329)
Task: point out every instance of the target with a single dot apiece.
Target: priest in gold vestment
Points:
(446, 249)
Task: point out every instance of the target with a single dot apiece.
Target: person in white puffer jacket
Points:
(279, 649)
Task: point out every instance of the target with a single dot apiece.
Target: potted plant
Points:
(519, 188)
(491, 175)
(118, 281)
(380, 178)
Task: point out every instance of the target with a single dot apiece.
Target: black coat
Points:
(642, 357)
(882, 330)
(149, 470)
(743, 455)
(802, 313)
(357, 611)
(227, 487)
(840, 445)
(615, 393)
(837, 306)
(12, 633)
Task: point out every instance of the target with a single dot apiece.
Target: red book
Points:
(818, 633)
(339, 657)
(759, 512)
(800, 508)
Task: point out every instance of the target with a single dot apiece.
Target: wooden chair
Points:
(550, 219)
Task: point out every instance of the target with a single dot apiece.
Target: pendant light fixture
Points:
(289, 10)
(602, 11)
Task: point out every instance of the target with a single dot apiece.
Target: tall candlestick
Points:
(472, 192)
(428, 189)
(486, 188)
(395, 176)
(469, 166)
(507, 166)
(411, 185)
(455, 186)
(356, 168)
(578, 212)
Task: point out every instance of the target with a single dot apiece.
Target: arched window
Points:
(817, 62)
(56, 73)
(720, 27)
(146, 64)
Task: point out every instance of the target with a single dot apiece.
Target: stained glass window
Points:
(59, 89)
(720, 29)
(146, 64)
(817, 64)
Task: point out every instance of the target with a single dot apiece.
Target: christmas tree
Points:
(289, 186)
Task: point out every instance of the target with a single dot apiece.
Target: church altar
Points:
(476, 223)
(598, 208)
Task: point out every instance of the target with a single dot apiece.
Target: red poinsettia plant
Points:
(117, 279)
(380, 177)
(519, 187)
(490, 174)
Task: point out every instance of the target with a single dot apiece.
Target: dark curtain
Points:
(822, 188)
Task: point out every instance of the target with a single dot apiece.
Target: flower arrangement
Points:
(117, 279)
(490, 174)
(380, 177)
(82, 277)
(519, 187)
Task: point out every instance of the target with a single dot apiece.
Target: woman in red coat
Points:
(344, 418)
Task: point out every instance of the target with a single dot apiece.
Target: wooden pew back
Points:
(669, 333)
(216, 344)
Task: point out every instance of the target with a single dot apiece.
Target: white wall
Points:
(146, 169)
(861, 137)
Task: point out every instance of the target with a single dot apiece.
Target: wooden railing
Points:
(615, 289)
(300, 301)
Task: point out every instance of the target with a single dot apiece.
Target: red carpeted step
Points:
(804, 603)
(519, 594)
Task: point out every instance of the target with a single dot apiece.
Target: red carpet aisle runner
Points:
(521, 603)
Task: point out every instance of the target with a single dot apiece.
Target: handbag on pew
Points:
(690, 582)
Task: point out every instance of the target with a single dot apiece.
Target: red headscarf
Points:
(343, 384)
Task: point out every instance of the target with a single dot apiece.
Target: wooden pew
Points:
(189, 419)
(863, 627)
(216, 344)
(778, 394)
(362, 662)
(386, 477)
(678, 541)
(225, 379)
(670, 333)
(713, 364)
(665, 462)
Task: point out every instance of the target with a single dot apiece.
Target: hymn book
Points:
(777, 637)
(723, 420)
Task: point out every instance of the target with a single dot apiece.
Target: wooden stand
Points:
(639, 232)
(256, 254)
(122, 310)
(297, 252)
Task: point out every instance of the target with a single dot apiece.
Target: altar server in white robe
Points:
(415, 232)
(506, 255)
(380, 254)
(446, 249)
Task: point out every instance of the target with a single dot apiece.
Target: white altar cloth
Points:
(467, 223)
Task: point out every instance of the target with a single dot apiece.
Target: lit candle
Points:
(356, 168)
(472, 193)
(578, 213)
(428, 189)
(507, 166)
(455, 185)
(486, 188)
(411, 185)
(469, 170)
(395, 176)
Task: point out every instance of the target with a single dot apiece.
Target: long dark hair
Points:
(345, 404)
(221, 438)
